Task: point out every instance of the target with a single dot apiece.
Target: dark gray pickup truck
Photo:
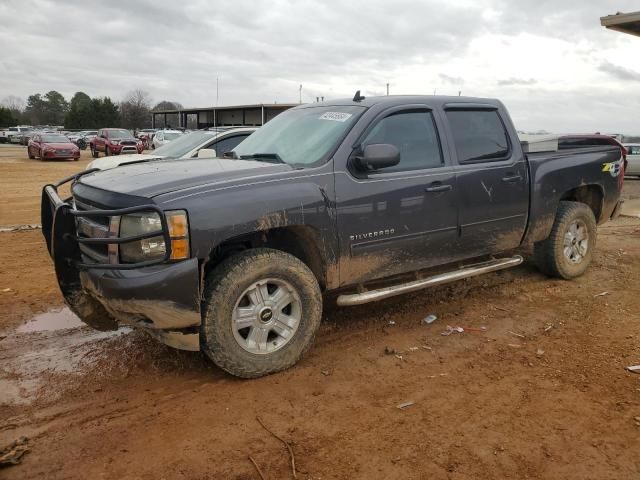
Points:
(373, 197)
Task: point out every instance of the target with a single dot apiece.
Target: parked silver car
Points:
(633, 159)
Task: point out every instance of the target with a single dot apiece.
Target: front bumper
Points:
(161, 297)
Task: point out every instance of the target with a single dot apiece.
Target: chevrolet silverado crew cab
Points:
(372, 197)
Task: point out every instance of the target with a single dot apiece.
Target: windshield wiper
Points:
(263, 156)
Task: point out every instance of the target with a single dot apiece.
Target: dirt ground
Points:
(536, 388)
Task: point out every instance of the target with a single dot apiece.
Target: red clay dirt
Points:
(541, 393)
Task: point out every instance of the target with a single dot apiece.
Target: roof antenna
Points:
(357, 97)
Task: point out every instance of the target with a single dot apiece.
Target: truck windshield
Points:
(184, 144)
(300, 136)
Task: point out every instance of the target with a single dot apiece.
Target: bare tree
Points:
(15, 105)
(135, 109)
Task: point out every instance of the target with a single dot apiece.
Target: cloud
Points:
(517, 81)
(451, 80)
(263, 51)
(618, 72)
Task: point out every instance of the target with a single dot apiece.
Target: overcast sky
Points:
(551, 62)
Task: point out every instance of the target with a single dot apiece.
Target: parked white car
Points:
(162, 137)
(633, 159)
(209, 143)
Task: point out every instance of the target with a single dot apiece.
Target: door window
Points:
(227, 144)
(479, 135)
(414, 134)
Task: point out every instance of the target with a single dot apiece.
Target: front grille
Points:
(92, 227)
(128, 142)
(63, 152)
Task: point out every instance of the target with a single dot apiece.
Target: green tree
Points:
(35, 110)
(6, 118)
(81, 113)
(106, 113)
(55, 108)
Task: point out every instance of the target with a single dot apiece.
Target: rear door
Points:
(402, 218)
(492, 176)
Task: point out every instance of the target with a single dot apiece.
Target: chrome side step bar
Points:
(440, 279)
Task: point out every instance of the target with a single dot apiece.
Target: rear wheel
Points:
(568, 251)
(94, 152)
(262, 309)
(31, 155)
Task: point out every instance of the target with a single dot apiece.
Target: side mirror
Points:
(207, 153)
(377, 156)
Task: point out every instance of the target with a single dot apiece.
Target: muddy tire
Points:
(31, 156)
(94, 152)
(568, 251)
(261, 310)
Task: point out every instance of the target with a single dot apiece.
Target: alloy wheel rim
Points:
(576, 241)
(266, 316)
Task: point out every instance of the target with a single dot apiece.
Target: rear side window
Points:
(479, 135)
(415, 135)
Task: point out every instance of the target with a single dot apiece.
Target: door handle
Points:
(438, 187)
(513, 177)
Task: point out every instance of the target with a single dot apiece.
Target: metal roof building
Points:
(239, 115)
(623, 22)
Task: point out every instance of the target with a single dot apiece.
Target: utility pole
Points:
(459, 92)
(300, 94)
(387, 89)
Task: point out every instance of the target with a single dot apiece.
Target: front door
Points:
(401, 218)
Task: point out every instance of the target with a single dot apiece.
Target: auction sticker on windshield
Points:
(336, 116)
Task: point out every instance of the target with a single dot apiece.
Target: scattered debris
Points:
(451, 330)
(326, 373)
(390, 351)
(404, 405)
(634, 368)
(429, 319)
(12, 454)
(517, 334)
(255, 464)
(399, 357)
(548, 327)
(515, 345)
(391, 322)
(18, 228)
(427, 347)
(601, 294)
(540, 352)
(293, 458)
(6, 290)
(413, 349)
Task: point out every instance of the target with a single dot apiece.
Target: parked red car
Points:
(48, 146)
(114, 141)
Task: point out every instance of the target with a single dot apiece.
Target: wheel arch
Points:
(591, 195)
(301, 241)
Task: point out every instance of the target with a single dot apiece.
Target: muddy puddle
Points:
(52, 344)
(58, 319)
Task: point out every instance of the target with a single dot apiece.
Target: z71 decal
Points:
(614, 168)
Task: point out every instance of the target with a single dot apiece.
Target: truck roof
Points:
(392, 100)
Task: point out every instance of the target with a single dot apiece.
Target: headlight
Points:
(115, 142)
(154, 248)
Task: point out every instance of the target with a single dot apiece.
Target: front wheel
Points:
(568, 251)
(262, 308)
(94, 152)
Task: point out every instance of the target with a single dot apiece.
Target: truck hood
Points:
(105, 163)
(156, 178)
